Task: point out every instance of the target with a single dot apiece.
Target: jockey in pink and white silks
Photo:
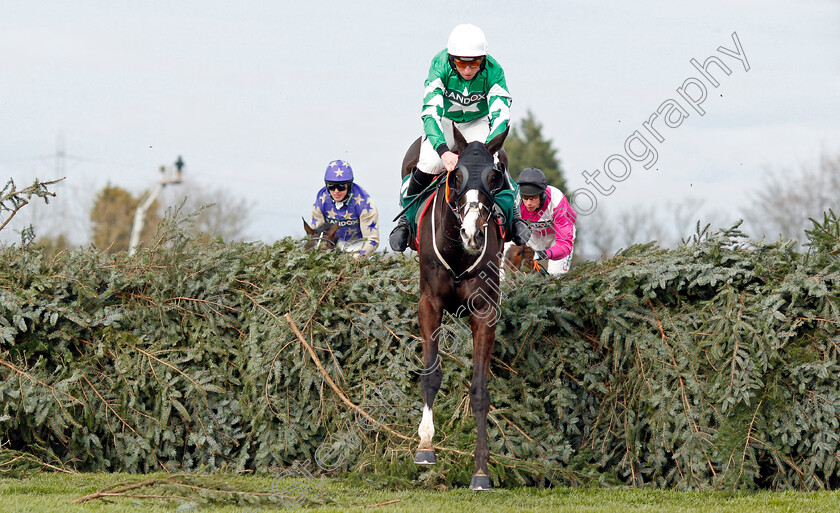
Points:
(551, 218)
(345, 203)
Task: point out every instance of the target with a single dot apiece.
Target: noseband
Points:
(469, 207)
(317, 241)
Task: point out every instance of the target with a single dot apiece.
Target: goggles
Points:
(337, 186)
(530, 197)
(468, 63)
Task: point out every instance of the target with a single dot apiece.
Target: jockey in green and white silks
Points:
(465, 88)
(479, 107)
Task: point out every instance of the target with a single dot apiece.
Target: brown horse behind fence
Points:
(520, 258)
(324, 237)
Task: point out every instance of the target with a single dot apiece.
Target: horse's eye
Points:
(494, 181)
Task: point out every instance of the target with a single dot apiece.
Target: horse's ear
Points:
(309, 230)
(332, 230)
(497, 142)
(460, 141)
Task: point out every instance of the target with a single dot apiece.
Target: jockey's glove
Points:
(540, 254)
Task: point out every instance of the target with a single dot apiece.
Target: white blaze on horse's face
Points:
(472, 236)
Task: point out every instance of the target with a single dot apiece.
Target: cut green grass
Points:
(56, 493)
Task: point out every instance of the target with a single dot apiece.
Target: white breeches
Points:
(476, 130)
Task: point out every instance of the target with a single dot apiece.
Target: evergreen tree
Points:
(113, 216)
(526, 147)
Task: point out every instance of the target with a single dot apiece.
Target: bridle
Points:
(479, 185)
(318, 240)
(470, 206)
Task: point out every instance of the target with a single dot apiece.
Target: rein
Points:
(447, 187)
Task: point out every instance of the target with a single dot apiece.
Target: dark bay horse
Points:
(323, 237)
(460, 244)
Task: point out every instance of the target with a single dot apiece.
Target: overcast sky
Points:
(258, 97)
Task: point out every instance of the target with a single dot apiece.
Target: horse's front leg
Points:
(484, 335)
(430, 313)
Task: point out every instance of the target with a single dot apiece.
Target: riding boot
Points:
(400, 234)
(520, 231)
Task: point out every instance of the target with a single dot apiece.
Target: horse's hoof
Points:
(425, 458)
(480, 482)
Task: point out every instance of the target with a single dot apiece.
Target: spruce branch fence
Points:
(709, 366)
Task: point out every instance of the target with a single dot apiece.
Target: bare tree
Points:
(685, 217)
(635, 223)
(596, 235)
(603, 233)
(785, 202)
(221, 214)
(640, 224)
(65, 222)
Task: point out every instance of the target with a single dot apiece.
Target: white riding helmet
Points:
(467, 40)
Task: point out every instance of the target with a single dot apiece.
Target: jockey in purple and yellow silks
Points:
(345, 203)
